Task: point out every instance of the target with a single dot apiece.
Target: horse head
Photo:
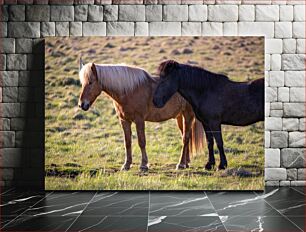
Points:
(91, 88)
(168, 84)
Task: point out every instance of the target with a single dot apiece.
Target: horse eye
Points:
(90, 82)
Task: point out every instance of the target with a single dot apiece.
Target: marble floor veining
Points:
(274, 210)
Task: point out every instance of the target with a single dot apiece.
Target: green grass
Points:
(85, 150)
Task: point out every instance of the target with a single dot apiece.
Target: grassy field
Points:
(85, 150)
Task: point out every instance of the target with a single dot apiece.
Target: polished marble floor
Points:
(274, 210)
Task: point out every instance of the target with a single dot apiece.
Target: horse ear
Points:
(167, 66)
(94, 70)
(81, 64)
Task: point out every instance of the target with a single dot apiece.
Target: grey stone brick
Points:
(279, 139)
(120, 28)
(284, 183)
(18, 123)
(270, 94)
(164, 28)
(283, 29)
(298, 183)
(9, 94)
(191, 28)
(4, 13)
(294, 109)
(292, 174)
(31, 78)
(62, 13)
(256, 28)
(296, 139)
(246, 13)
(141, 29)
(24, 29)
(130, 2)
(62, 29)
(283, 94)
(212, 29)
(223, 13)
(16, 62)
(39, 13)
(300, 46)
(290, 124)
(293, 61)
(6, 124)
(80, 12)
(175, 13)
(89, 2)
(277, 79)
(8, 138)
(103, 2)
(302, 124)
(299, 13)
(267, 139)
(75, 28)
(110, 13)
(3, 31)
(47, 29)
(17, 12)
(11, 109)
(272, 158)
(131, 13)
(197, 13)
(2, 62)
(9, 78)
(94, 29)
(289, 45)
(230, 29)
(297, 94)
(8, 45)
(276, 113)
(95, 13)
(276, 62)
(61, 2)
(286, 13)
(154, 13)
(275, 174)
(24, 45)
(295, 78)
(298, 30)
(273, 123)
(293, 157)
(273, 183)
(267, 13)
(302, 174)
(147, 2)
(12, 157)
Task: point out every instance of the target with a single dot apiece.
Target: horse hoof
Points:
(209, 166)
(181, 166)
(143, 168)
(222, 167)
(125, 168)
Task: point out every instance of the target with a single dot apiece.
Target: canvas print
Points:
(154, 113)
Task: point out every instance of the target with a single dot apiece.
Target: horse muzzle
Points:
(84, 106)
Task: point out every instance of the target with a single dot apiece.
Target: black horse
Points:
(215, 100)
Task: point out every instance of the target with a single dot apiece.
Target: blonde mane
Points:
(118, 77)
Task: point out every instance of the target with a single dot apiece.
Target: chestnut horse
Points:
(131, 90)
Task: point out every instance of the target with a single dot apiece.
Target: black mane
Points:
(192, 76)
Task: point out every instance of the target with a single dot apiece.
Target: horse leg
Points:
(140, 127)
(210, 144)
(183, 162)
(126, 125)
(218, 137)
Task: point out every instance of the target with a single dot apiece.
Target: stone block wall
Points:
(24, 24)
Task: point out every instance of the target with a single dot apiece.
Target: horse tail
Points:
(196, 142)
